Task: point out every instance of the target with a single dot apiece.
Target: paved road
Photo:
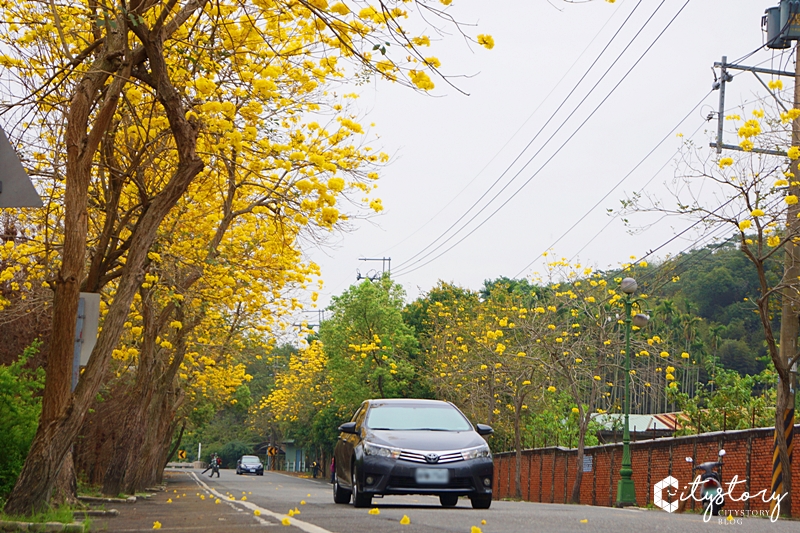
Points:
(273, 495)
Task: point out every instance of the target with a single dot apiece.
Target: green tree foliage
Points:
(232, 451)
(372, 352)
(729, 401)
(20, 407)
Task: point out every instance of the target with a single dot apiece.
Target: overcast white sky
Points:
(448, 150)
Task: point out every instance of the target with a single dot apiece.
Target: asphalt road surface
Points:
(270, 498)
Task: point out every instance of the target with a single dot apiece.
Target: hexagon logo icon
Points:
(658, 491)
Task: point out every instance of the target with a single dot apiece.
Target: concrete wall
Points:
(548, 473)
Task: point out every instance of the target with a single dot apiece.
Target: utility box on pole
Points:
(772, 24)
(782, 24)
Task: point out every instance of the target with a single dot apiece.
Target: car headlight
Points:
(381, 451)
(474, 453)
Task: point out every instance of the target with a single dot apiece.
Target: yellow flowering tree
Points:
(754, 192)
(156, 92)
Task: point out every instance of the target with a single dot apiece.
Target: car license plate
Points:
(432, 476)
(252, 469)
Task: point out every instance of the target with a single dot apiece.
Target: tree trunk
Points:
(782, 483)
(583, 426)
(518, 451)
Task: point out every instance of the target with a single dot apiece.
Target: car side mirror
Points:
(348, 427)
(483, 429)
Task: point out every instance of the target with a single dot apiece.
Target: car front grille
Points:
(419, 457)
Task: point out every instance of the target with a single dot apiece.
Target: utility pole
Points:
(790, 318)
(372, 275)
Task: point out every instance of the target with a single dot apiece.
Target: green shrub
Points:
(20, 407)
(232, 451)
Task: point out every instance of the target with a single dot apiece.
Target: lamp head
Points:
(640, 320)
(628, 285)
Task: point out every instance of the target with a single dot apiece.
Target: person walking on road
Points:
(210, 464)
(215, 464)
(314, 469)
(333, 470)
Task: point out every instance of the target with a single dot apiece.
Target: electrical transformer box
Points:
(790, 20)
(771, 23)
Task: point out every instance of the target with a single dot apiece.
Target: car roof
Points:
(408, 401)
(250, 457)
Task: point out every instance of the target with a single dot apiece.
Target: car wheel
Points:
(481, 502)
(448, 500)
(359, 499)
(340, 495)
(261, 473)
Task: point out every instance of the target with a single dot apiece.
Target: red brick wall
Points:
(549, 473)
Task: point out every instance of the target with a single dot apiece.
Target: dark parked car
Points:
(249, 464)
(403, 446)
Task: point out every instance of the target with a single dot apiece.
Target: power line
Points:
(620, 182)
(628, 175)
(527, 146)
(409, 270)
(524, 123)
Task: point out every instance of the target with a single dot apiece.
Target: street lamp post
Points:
(626, 492)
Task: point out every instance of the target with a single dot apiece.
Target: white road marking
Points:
(305, 526)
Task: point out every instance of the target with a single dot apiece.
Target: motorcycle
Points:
(711, 483)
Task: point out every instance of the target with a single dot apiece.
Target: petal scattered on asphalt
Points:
(405, 520)
(375, 511)
(286, 522)
(156, 525)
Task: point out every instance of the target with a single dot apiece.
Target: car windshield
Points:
(250, 459)
(416, 418)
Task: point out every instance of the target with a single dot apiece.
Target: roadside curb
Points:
(43, 527)
(94, 499)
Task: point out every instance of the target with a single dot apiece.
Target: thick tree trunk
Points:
(781, 445)
(100, 432)
(132, 431)
(65, 488)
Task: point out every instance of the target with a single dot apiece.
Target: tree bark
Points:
(518, 449)
(583, 426)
